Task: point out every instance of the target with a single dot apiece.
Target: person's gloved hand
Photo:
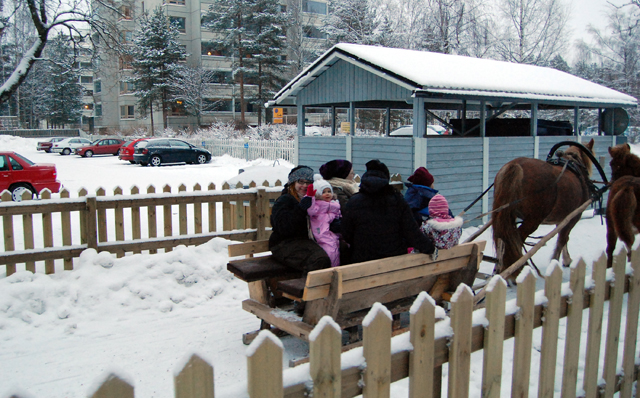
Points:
(305, 203)
(311, 191)
(336, 226)
(434, 255)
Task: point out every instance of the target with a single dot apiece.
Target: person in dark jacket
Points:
(378, 222)
(290, 243)
(419, 192)
(339, 173)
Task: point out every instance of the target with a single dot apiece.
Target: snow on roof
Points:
(456, 74)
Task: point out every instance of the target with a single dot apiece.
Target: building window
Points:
(283, 8)
(314, 7)
(125, 12)
(127, 112)
(177, 108)
(180, 22)
(86, 79)
(178, 2)
(98, 110)
(217, 105)
(125, 62)
(97, 86)
(88, 93)
(126, 87)
(87, 107)
(313, 32)
(212, 49)
(221, 77)
(126, 36)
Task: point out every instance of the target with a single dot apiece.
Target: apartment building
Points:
(114, 105)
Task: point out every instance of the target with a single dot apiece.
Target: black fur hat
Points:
(377, 165)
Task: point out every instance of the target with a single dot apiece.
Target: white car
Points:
(407, 131)
(69, 145)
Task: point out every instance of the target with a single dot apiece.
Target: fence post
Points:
(574, 329)
(47, 233)
(114, 387)
(197, 212)
(65, 219)
(135, 219)
(212, 211)
(460, 349)
(613, 323)
(167, 217)
(631, 331)
(262, 204)
(152, 221)
(550, 326)
(102, 218)
(119, 220)
(524, 333)
(264, 366)
(422, 338)
(182, 212)
(195, 380)
(376, 332)
(594, 334)
(7, 224)
(82, 193)
(27, 231)
(91, 223)
(325, 342)
(494, 338)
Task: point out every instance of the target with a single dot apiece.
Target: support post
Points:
(576, 121)
(463, 127)
(483, 118)
(387, 127)
(333, 120)
(419, 118)
(534, 119)
(300, 119)
(352, 118)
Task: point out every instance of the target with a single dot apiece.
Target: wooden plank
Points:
(262, 213)
(549, 351)
(195, 380)
(38, 206)
(460, 354)
(167, 217)
(298, 329)
(377, 353)
(226, 211)
(324, 358)
(264, 367)
(197, 212)
(65, 223)
(212, 211)
(493, 339)
(241, 249)
(102, 218)
(574, 331)
(47, 234)
(258, 291)
(23, 256)
(119, 219)
(613, 324)
(388, 278)
(136, 226)
(631, 329)
(594, 332)
(27, 232)
(152, 222)
(182, 212)
(523, 334)
(7, 225)
(422, 337)
(113, 387)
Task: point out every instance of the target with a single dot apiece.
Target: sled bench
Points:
(346, 293)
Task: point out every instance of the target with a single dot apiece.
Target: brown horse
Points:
(538, 193)
(623, 215)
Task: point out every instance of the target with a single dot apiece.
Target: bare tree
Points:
(531, 31)
(189, 85)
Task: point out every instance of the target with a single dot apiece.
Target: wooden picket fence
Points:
(382, 361)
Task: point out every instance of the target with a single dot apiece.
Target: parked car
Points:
(407, 131)
(126, 150)
(46, 145)
(68, 145)
(18, 175)
(103, 146)
(167, 150)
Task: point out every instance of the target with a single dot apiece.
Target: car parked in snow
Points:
(126, 150)
(68, 145)
(169, 150)
(104, 146)
(19, 174)
(407, 131)
(46, 145)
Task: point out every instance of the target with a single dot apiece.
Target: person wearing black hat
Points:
(378, 222)
(339, 173)
(289, 241)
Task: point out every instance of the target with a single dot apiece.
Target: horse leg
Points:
(561, 244)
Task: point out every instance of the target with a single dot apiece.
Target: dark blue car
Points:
(168, 150)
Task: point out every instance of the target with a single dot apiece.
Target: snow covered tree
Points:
(231, 21)
(188, 85)
(532, 31)
(63, 91)
(301, 50)
(352, 21)
(155, 55)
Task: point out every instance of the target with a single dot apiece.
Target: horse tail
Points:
(623, 208)
(507, 189)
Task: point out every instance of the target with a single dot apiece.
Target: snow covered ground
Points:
(140, 316)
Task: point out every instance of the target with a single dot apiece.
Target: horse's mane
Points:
(623, 162)
(576, 154)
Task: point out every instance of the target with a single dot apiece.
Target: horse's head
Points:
(577, 154)
(623, 162)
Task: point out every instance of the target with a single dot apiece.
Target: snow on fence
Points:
(250, 150)
(431, 342)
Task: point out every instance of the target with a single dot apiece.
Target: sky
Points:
(143, 315)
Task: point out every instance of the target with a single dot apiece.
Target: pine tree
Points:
(352, 21)
(63, 91)
(155, 55)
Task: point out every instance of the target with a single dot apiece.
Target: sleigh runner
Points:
(346, 293)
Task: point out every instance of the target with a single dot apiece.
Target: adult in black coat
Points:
(289, 241)
(378, 222)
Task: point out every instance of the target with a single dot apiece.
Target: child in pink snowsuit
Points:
(324, 209)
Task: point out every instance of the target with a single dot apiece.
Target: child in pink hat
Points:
(444, 230)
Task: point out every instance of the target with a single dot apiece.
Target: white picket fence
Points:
(249, 150)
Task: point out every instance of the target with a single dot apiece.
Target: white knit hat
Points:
(319, 184)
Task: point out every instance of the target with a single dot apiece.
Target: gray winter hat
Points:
(301, 173)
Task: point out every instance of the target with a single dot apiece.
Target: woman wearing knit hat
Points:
(444, 230)
(419, 193)
(339, 173)
(289, 241)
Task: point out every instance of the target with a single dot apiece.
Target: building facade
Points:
(114, 107)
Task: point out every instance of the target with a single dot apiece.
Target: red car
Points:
(18, 175)
(104, 146)
(126, 151)
(46, 145)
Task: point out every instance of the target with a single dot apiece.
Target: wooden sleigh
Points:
(345, 293)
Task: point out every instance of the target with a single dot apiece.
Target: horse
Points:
(623, 215)
(538, 193)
